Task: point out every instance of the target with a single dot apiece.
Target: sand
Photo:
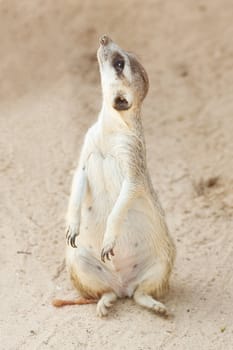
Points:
(49, 96)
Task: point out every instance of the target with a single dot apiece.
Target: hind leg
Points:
(149, 302)
(153, 284)
(92, 279)
(105, 302)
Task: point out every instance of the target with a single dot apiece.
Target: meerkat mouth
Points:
(121, 104)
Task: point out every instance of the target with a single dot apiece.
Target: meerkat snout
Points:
(104, 40)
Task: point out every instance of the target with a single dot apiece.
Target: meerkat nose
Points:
(104, 40)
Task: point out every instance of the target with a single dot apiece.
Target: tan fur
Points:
(86, 290)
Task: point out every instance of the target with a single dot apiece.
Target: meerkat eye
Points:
(118, 63)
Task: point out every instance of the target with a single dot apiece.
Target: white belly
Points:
(134, 250)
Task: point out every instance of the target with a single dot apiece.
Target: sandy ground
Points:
(50, 94)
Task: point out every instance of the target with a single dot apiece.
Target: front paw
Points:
(72, 232)
(107, 250)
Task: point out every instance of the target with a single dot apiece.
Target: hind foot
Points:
(105, 302)
(148, 302)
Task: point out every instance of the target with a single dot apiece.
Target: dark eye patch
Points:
(118, 63)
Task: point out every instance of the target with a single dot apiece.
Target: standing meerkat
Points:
(118, 244)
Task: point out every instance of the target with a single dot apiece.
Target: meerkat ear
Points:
(121, 104)
(137, 68)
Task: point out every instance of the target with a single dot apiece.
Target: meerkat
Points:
(118, 244)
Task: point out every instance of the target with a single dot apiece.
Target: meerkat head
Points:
(124, 81)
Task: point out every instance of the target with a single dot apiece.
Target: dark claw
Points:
(72, 241)
(107, 255)
(68, 239)
(102, 255)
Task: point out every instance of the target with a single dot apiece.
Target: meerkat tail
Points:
(79, 301)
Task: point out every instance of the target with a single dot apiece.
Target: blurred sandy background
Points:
(49, 95)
